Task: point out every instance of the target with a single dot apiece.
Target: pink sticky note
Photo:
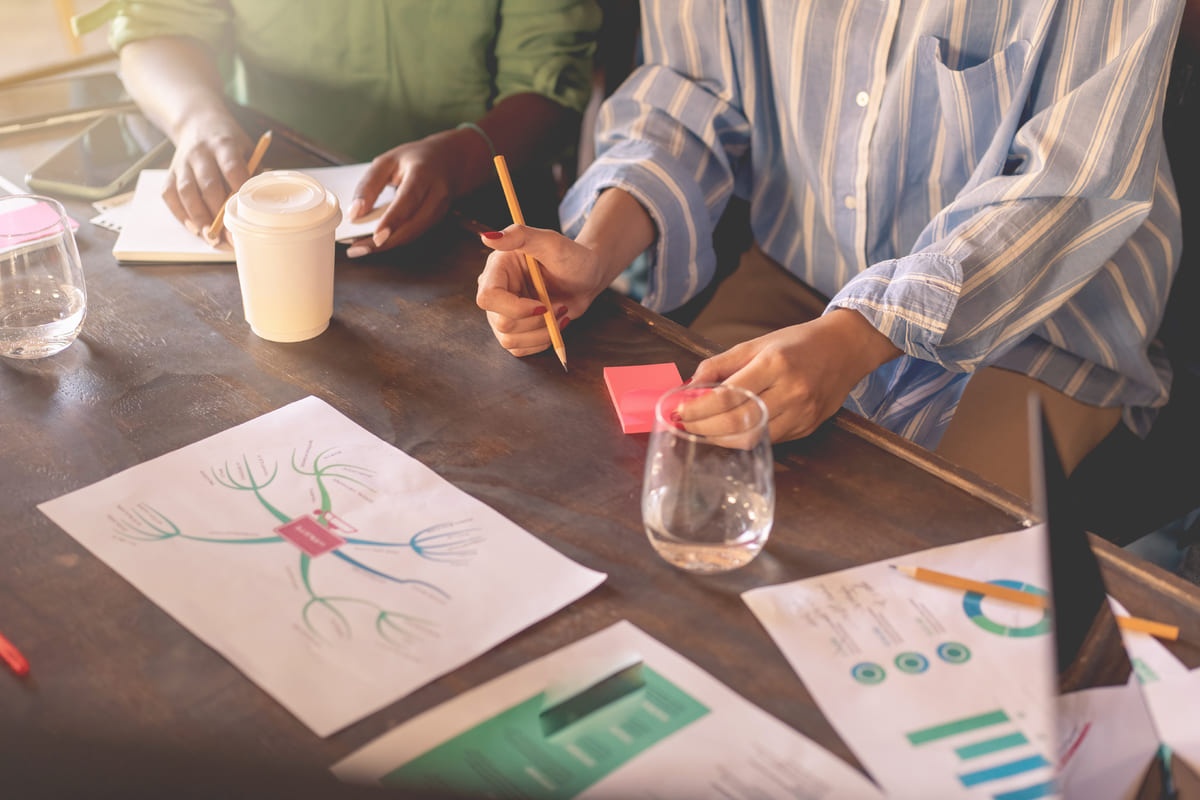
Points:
(634, 391)
(24, 223)
(309, 535)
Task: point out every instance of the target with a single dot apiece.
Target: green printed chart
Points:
(508, 755)
(994, 741)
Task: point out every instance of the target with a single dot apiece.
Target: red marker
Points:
(10, 655)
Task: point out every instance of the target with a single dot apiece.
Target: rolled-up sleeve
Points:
(547, 48)
(205, 20)
(673, 136)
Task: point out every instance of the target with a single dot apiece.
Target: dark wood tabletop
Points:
(166, 358)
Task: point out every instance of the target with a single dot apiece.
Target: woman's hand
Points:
(209, 164)
(803, 372)
(573, 275)
(427, 180)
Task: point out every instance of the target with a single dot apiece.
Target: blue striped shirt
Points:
(984, 181)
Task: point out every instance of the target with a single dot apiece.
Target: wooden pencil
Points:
(1031, 599)
(535, 271)
(214, 230)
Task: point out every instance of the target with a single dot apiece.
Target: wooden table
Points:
(166, 359)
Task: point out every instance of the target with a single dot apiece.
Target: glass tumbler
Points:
(42, 295)
(708, 495)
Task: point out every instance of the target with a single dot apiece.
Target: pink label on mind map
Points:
(309, 535)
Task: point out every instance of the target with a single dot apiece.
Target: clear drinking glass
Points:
(42, 295)
(708, 496)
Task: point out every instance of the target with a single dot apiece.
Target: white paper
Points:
(236, 536)
(1107, 742)
(735, 751)
(1151, 660)
(149, 232)
(1175, 704)
(899, 667)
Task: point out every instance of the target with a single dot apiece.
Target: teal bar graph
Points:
(992, 733)
(1035, 792)
(1003, 770)
(989, 746)
(964, 725)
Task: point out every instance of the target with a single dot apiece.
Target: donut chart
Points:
(973, 607)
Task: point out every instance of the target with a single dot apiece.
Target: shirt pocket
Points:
(979, 108)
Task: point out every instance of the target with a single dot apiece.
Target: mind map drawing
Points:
(317, 533)
(338, 572)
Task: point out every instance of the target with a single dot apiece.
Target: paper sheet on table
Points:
(149, 232)
(942, 693)
(1175, 704)
(930, 687)
(683, 734)
(336, 571)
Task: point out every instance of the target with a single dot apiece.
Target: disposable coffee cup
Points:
(282, 225)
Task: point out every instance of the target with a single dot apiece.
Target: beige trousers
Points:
(988, 434)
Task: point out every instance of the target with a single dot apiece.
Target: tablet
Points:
(102, 160)
(58, 100)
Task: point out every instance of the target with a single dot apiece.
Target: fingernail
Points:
(562, 323)
(491, 234)
(561, 310)
(357, 250)
(381, 236)
(356, 209)
(537, 312)
(192, 227)
(676, 417)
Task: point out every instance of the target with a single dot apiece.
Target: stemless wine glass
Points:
(708, 496)
(42, 295)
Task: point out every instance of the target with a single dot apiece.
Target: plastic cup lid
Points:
(282, 199)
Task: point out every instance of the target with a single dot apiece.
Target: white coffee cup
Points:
(282, 225)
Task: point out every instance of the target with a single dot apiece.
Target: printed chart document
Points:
(336, 571)
(939, 693)
(149, 232)
(617, 714)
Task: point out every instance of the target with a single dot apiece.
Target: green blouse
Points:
(365, 75)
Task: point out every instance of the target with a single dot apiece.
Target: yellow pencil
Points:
(214, 230)
(535, 272)
(1159, 629)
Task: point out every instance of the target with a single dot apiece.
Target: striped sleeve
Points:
(673, 136)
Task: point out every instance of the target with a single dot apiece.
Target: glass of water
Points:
(42, 295)
(708, 496)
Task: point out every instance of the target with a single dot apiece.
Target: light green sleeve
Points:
(205, 20)
(546, 47)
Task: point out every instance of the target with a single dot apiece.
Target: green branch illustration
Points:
(252, 486)
(394, 627)
(320, 472)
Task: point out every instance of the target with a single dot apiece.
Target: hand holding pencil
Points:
(535, 270)
(213, 234)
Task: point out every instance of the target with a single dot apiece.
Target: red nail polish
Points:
(561, 310)
(562, 323)
(537, 312)
(676, 417)
(491, 234)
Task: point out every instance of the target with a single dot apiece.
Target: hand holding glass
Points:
(42, 295)
(708, 496)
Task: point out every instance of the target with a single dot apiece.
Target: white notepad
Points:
(149, 232)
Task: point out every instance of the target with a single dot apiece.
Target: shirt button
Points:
(862, 98)
(850, 202)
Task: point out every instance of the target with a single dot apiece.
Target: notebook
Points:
(150, 233)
